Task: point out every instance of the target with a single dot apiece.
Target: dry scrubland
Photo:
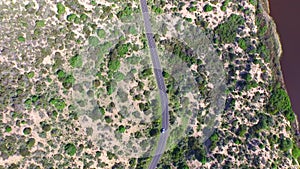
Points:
(77, 87)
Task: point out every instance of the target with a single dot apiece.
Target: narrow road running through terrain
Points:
(161, 86)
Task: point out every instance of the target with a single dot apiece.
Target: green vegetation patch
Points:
(285, 144)
(133, 60)
(224, 5)
(118, 76)
(39, 23)
(192, 9)
(21, 39)
(114, 64)
(101, 33)
(59, 104)
(60, 8)
(93, 41)
(122, 49)
(67, 79)
(83, 17)
(71, 17)
(157, 9)
(76, 61)
(27, 130)
(70, 149)
(121, 129)
(279, 102)
(126, 12)
(226, 31)
(30, 143)
(207, 8)
(8, 129)
(30, 74)
(110, 87)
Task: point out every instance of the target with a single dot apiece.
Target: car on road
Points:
(162, 130)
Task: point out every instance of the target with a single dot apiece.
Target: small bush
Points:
(27, 130)
(71, 17)
(40, 23)
(30, 143)
(192, 9)
(60, 8)
(21, 39)
(114, 64)
(110, 87)
(126, 12)
(207, 8)
(70, 149)
(8, 129)
(121, 129)
(93, 41)
(101, 33)
(76, 61)
(83, 17)
(59, 104)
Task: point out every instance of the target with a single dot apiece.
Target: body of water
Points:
(287, 18)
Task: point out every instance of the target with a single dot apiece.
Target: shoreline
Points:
(276, 51)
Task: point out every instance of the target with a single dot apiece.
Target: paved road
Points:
(161, 85)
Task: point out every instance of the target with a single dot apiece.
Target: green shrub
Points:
(76, 61)
(27, 130)
(28, 103)
(121, 129)
(126, 12)
(242, 44)
(279, 102)
(30, 74)
(157, 9)
(24, 151)
(30, 143)
(83, 17)
(59, 104)
(21, 39)
(101, 33)
(296, 151)
(145, 73)
(214, 137)
(133, 60)
(93, 41)
(226, 31)
(224, 5)
(192, 9)
(71, 17)
(114, 64)
(39, 23)
(253, 2)
(68, 81)
(60, 8)
(46, 127)
(122, 49)
(8, 129)
(207, 8)
(110, 87)
(285, 144)
(70, 149)
(61, 74)
(118, 76)
(108, 119)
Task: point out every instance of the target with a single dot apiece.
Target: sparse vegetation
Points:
(88, 64)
